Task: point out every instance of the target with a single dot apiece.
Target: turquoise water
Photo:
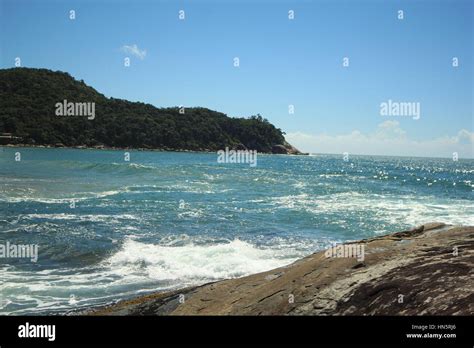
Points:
(166, 220)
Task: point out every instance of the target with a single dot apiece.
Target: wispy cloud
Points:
(388, 139)
(134, 50)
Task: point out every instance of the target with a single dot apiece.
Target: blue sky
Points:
(299, 62)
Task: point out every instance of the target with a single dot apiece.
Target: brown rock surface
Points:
(429, 269)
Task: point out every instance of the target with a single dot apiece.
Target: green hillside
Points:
(28, 98)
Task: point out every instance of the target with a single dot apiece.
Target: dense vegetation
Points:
(28, 98)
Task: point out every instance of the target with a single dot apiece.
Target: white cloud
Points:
(388, 139)
(134, 50)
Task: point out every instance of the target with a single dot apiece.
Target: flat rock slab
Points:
(424, 271)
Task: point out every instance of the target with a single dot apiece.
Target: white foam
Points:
(84, 217)
(65, 200)
(391, 209)
(139, 267)
(196, 263)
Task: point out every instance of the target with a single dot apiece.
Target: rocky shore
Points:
(425, 271)
(285, 149)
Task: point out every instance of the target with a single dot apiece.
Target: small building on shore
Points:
(9, 138)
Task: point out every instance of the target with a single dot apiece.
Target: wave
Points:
(104, 167)
(78, 197)
(196, 263)
(75, 217)
(137, 267)
(391, 210)
(194, 187)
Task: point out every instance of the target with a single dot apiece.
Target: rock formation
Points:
(425, 271)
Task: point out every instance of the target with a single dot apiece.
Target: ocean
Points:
(109, 229)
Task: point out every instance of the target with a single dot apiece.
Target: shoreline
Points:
(424, 271)
(202, 151)
(113, 148)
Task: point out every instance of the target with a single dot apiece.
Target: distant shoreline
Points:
(103, 147)
(207, 151)
(100, 147)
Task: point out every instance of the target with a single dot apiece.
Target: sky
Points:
(284, 63)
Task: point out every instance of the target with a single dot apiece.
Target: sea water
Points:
(109, 229)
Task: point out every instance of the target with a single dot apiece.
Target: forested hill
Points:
(29, 97)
